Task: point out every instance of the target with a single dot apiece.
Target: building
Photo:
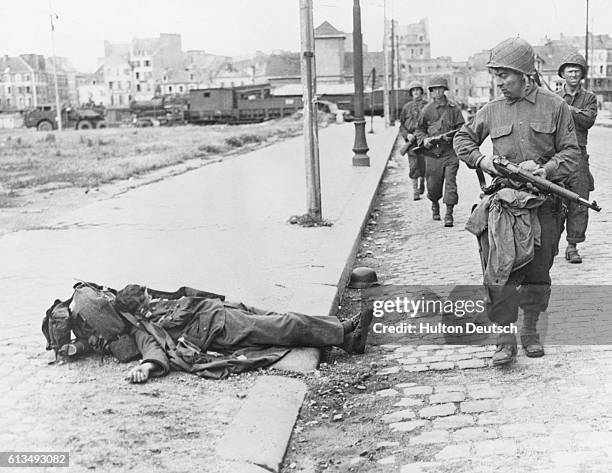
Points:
(410, 47)
(28, 81)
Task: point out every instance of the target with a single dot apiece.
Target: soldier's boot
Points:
(435, 210)
(416, 195)
(421, 185)
(529, 336)
(572, 255)
(448, 218)
(506, 349)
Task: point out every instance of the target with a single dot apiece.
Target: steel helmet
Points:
(513, 53)
(438, 81)
(575, 59)
(363, 278)
(415, 84)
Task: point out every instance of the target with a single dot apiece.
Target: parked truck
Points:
(44, 118)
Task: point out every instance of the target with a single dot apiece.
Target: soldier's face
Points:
(416, 93)
(510, 83)
(437, 92)
(572, 75)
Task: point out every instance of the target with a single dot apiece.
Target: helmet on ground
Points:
(438, 81)
(415, 84)
(363, 278)
(573, 59)
(513, 53)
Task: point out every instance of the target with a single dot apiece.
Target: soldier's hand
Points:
(533, 168)
(410, 138)
(428, 142)
(140, 373)
(486, 164)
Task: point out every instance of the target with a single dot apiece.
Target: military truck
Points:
(44, 118)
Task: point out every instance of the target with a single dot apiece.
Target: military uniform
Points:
(441, 163)
(538, 127)
(409, 120)
(583, 105)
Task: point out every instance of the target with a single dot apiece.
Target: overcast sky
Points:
(458, 27)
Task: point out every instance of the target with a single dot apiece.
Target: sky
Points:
(458, 28)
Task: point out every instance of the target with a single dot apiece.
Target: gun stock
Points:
(437, 139)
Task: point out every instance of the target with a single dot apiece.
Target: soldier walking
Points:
(583, 105)
(533, 128)
(440, 116)
(409, 120)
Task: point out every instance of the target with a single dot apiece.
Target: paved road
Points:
(450, 410)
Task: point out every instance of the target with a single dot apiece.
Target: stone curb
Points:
(257, 438)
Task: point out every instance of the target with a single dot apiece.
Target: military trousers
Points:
(242, 329)
(527, 288)
(441, 175)
(577, 218)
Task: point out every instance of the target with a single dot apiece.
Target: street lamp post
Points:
(360, 148)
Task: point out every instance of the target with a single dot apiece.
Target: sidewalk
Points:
(222, 228)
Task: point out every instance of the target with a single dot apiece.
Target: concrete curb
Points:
(257, 438)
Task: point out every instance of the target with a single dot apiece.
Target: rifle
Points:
(437, 139)
(513, 174)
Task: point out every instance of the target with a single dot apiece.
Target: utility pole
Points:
(57, 100)
(372, 101)
(386, 110)
(360, 147)
(392, 117)
(586, 45)
(311, 145)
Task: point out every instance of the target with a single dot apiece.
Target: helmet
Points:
(513, 53)
(363, 278)
(415, 84)
(575, 59)
(438, 81)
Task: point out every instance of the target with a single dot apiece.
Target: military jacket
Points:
(438, 118)
(409, 116)
(584, 111)
(537, 127)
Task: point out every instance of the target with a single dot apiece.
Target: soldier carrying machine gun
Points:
(514, 176)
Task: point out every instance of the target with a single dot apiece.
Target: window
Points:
(137, 87)
(601, 69)
(180, 88)
(110, 85)
(421, 38)
(120, 99)
(8, 90)
(28, 89)
(137, 75)
(169, 89)
(27, 78)
(147, 63)
(421, 51)
(206, 94)
(190, 76)
(165, 78)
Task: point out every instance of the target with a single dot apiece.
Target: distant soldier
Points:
(583, 105)
(533, 128)
(409, 120)
(438, 117)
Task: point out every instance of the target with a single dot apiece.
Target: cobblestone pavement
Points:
(451, 410)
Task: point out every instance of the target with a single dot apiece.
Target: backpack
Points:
(90, 314)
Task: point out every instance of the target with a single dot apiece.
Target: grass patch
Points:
(93, 157)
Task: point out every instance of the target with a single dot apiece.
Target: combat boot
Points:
(448, 218)
(421, 185)
(529, 336)
(416, 195)
(435, 210)
(506, 350)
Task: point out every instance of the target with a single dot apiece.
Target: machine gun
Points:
(437, 139)
(514, 176)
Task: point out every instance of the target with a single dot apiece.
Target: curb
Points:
(257, 438)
